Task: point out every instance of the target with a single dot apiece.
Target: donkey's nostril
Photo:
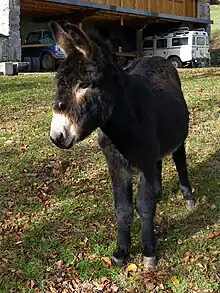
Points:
(60, 138)
(57, 138)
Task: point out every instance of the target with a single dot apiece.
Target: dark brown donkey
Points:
(141, 115)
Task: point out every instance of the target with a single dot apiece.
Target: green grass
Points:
(57, 225)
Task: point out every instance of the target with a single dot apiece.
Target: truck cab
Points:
(181, 46)
(41, 48)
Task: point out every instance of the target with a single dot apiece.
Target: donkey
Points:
(141, 115)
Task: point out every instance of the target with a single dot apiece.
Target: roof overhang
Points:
(130, 11)
(76, 10)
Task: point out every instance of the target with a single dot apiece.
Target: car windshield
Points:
(33, 38)
(200, 41)
(47, 38)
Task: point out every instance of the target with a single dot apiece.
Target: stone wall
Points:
(3, 48)
(10, 41)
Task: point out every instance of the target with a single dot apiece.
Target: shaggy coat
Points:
(141, 115)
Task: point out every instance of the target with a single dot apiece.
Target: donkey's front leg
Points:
(122, 190)
(146, 207)
(121, 177)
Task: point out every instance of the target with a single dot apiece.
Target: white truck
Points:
(182, 46)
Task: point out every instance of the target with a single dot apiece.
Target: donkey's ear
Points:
(61, 37)
(80, 39)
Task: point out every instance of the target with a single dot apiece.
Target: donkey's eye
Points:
(61, 105)
(82, 85)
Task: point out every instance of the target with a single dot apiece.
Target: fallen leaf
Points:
(107, 260)
(212, 235)
(131, 268)
(59, 264)
(68, 224)
(23, 147)
(32, 284)
(150, 286)
(91, 256)
(57, 165)
(103, 279)
(47, 203)
(53, 290)
(98, 286)
(114, 288)
(174, 280)
(186, 257)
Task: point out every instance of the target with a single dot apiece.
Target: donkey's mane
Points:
(98, 40)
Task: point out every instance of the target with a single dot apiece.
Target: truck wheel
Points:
(48, 62)
(35, 64)
(176, 62)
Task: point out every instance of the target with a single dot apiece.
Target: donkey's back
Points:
(171, 111)
(154, 103)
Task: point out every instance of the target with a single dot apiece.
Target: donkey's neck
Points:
(131, 114)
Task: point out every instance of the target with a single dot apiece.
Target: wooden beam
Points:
(126, 10)
(75, 16)
(139, 41)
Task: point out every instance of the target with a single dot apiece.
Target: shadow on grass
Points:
(205, 180)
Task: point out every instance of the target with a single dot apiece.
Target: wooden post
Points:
(122, 20)
(139, 42)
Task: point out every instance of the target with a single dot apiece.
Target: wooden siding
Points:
(177, 7)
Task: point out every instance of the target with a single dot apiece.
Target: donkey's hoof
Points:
(119, 259)
(190, 204)
(149, 262)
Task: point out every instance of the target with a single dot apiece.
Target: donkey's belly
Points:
(172, 128)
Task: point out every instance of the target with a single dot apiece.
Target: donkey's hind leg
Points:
(121, 177)
(179, 157)
(158, 181)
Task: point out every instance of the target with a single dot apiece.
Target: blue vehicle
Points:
(41, 51)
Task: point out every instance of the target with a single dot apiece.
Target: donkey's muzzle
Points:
(62, 132)
(58, 140)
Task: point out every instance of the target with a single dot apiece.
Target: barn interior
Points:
(125, 22)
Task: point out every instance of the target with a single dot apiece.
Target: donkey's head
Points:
(85, 86)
